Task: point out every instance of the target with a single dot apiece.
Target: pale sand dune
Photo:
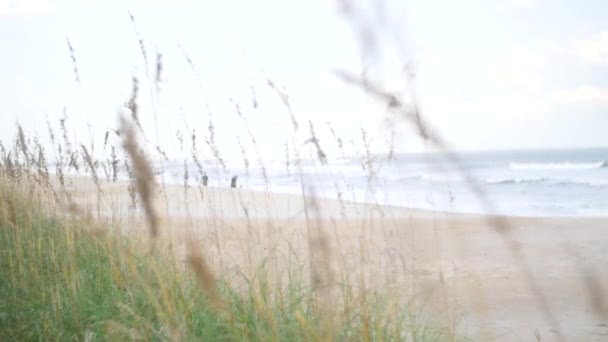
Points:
(453, 267)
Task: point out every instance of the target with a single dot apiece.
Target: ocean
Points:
(517, 183)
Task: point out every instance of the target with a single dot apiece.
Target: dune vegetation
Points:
(92, 257)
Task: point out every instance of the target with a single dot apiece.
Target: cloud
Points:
(584, 95)
(593, 50)
(26, 7)
(553, 46)
(520, 67)
(518, 4)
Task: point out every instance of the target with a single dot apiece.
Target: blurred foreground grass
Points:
(64, 277)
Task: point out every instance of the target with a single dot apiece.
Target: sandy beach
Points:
(456, 268)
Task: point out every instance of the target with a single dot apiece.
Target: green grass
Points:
(59, 280)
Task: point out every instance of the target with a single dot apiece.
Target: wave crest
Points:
(558, 166)
(548, 181)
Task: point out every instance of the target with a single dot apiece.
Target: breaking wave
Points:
(547, 181)
(558, 166)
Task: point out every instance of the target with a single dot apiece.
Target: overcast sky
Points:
(494, 74)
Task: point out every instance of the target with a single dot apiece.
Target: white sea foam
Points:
(558, 166)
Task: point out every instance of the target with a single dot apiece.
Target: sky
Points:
(486, 74)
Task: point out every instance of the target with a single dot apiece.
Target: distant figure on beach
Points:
(205, 179)
(233, 181)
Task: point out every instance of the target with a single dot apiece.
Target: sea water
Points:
(570, 182)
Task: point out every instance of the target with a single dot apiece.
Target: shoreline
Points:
(297, 197)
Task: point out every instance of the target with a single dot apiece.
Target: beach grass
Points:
(65, 277)
(76, 266)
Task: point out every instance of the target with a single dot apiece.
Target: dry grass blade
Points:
(41, 164)
(203, 272)
(186, 178)
(105, 140)
(244, 155)
(212, 145)
(159, 70)
(285, 99)
(50, 131)
(254, 100)
(287, 158)
(315, 141)
(82, 97)
(64, 131)
(254, 143)
(21, 143)
(74, 61)
(114, 163)
(153, 85)
(132, 103)
(92, 167)
(180, 137)
(339, 140)
(191, 64)
(197, 162)
(144, 177)
(501, 226)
